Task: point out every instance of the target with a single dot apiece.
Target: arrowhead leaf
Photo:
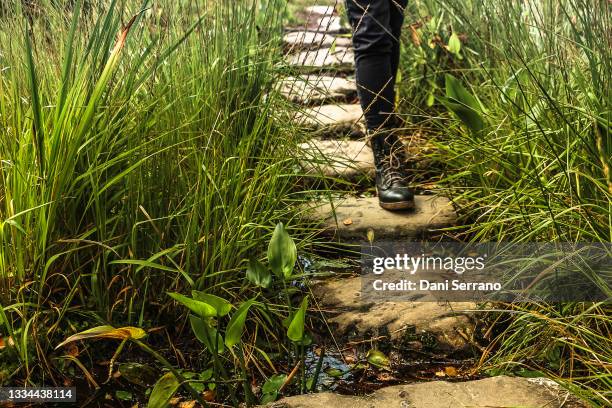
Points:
(206, 334)
(258, 274)
(163, 390)
(282, 252)
(295, 332)
(233, 333)
(198, 307)
(222, 306)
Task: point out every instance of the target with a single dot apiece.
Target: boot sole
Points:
(400, 205)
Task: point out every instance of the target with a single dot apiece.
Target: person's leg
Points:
(396, 20)
(376, 65)
(373, 48)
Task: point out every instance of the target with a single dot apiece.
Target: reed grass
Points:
(540, 169)
(142, 152)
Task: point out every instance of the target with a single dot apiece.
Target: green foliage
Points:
(135, 161)
(222, 306)
(534, 165)
(163, 390)
(282, 252)
(258, 274)
(222, 337)
(198, 307)
(272, 387)
(236, 324)
(377, 358)
(295, 331)
(207, 334)
(463, 104)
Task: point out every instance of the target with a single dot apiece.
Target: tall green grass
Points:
(530, 160)
(132, 164)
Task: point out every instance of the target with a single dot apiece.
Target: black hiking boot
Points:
(391, 185)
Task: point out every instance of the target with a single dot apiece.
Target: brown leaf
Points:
(385, 376)
(187, 404)
(451, 371)
(73, 350)
(348, 221)
(208, 395)
(105, 332)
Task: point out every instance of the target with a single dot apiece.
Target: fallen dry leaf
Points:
(348, 221)
(385, 376)
(187, 404)
(208, 395)
(440, 374)
(451, 371)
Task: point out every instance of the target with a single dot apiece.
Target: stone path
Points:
(449, 325)
(350, 219)
(322, 62)
(495, 392)
(346, 159)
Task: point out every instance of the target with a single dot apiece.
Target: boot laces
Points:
(391, 167)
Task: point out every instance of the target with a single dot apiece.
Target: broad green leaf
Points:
(282, 252)
(206, 334)
(455, 90)
(233, 333)
(467, 115)
(463, 104)
(258, 274)
(206, 375)
(222, 306)
(163, 390)
(268, 398)
(295, 332)
(454, 44)
(106, 332)
(274, 383)
(377, 358)
(200, 308)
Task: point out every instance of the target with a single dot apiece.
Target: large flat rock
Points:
(329, 58)
(347, 312)
(307, 40)
(307, 89)
(350, 219)
(347, 159)
(331, 118)
(494, 392)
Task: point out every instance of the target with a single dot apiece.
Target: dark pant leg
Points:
(376, 44)
(396, 21)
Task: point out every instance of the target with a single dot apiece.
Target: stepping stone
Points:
(330, 24)
(347, 159)
(320, 10)
(340, 59)
(356, 216)
(313, 88)
(489, 392)
(307, 40)
(331, 118)
(347, 312)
